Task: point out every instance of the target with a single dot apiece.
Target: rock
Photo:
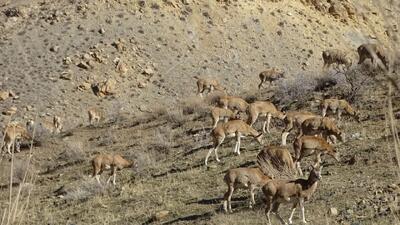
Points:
(333, 211)
(119, 45)
(29, 108)
(102, 31)
(67, 61)
(121, 67)
(142, 85)
(11, 111)
(84, 86)
(106, 87)
(12, 94)
(161, 215)
(83, 65)
(148, 71)
(55, 48)
(66, 75)
(4, 95)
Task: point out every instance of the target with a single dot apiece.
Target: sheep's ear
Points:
(311, 168)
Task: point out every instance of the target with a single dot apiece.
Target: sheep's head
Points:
(315, 173)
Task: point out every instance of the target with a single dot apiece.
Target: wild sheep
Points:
(204, 84)
(373, 52)
(53, 127)
(233, 128)
(323, 126)
(270, 75)
(12, 133)
(294, 119)
(218, 114)
(233, 103)
(312, 145)
(290, 191)
(106, 161)
(243, 178)
(95, 115)
(335, 56)
(266, 109)
(279, 157)
(338, 106)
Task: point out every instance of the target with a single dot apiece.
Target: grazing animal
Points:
(294, 119)
(12, 134)
(105, 161)
(373, 52)
(53, 127)
(270, 75)
(266, 109)
(233, 128)
(233, 103)
(218, 114)
(204, 84)
(312, 145)
(335, 56)
(339, 106)
(290, 191)
(243, 178)
(95, 115)
(279, 157)
(323, 126)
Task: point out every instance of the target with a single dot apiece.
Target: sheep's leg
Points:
(252, 201)
(301, 202)
(9, 147)
(284, 137)
(238, 143)
(317, 159)
(324, 111)
(275, 208)
(268, 206)
(215, 122)
(231, 190)
(292, 213)
(299, 168)
(226, 119)
(339, 113)
(220, 140)
(260, 85)
(267, 123)
(227, 197)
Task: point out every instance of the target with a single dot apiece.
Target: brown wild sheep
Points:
(53, 127)
(279, 157)
(294, 119)
(290, 191)
(339, 106)
(233, 128)
(233, 103)
(270, 75)
(243, 178)
(218, 114)
(204, 84)
(312, 145)
(323, 126)
(266, 109)
(373, 52)
(105, 161)
(12, 133)
(95, 115)
(335, 56)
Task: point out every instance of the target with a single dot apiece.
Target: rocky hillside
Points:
(136, 60)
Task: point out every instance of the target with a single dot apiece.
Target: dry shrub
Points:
(163, 140)
(297, 90)
(176, 117)
(267, 166)
(145, 160)
(73, 153)
(195, 105)
(84, 190)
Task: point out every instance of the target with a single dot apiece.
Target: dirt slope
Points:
(53, 51)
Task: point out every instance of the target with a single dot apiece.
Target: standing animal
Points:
(294, 119)
(279, 157)
(233, 128)
(266, 109)
(243, 178)
(339, 106)
(12, 134)
(218, 114)
(312, 145)
(323, 126)
(373, 52)
(53, 127)
(290, 191)
(95, 115)
(208, 84)
(106, 161)
(233, 103)
(335, 56)
(270, 75)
